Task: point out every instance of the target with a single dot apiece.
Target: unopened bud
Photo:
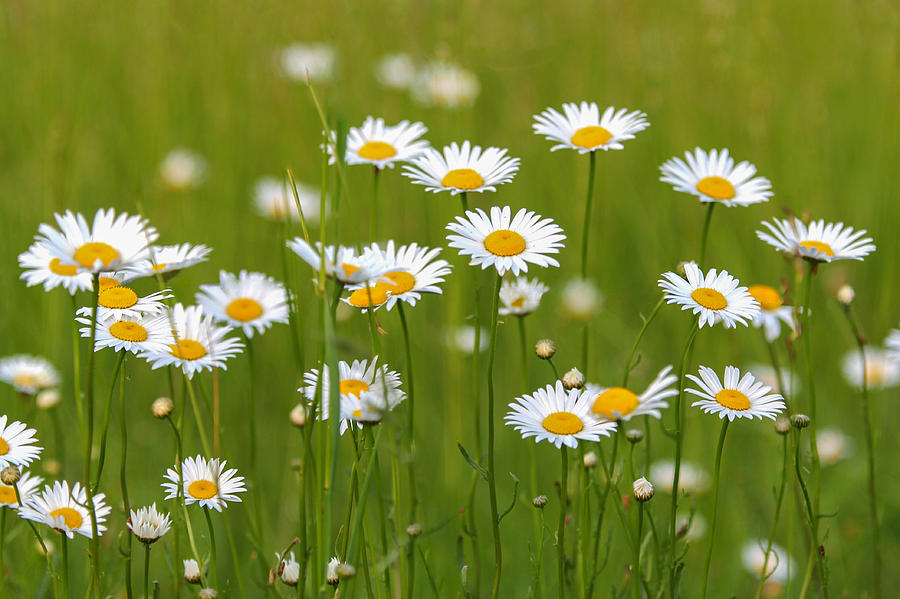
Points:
(800, 421)
(573, 379)
(643, 489)
(331, 575)
(162, 407)
(191, 571)
(590, 460)
(47, 398)
(846, 295)
(207, 594)
(414, 530)
(298, 415)
(545, 349)
(346, 571)
(540, 501)
(10, 475)
(634, 435)
(782, 425)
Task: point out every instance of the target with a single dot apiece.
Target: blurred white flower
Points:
(395, 71)
(581, 299)
(694, 526)
(753, 555)
(767, 374)
(833, 446)
(446, 85)
(463, 339)
(316, 59)
(881, 372)
(691, 479)
(182, 169)
(273, 198)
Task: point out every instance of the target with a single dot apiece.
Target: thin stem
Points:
(705, 234)
(715, 514)
(89, 441)
(536, 515)
(776, 366)
(234, 556)
(254, 454)
(101, 459)
(2, 554)
(65, 565)
(561, 526)
(629, 363)
(464, 200)
(212, 548)
(373, 217)
(197, 416)
(636, 586)
(76, 368)
(123, 478)
(40, 540)
(411, 460)
(587, 213)
(764, 572)
(492, 475)
(812, 520)
(147, 571)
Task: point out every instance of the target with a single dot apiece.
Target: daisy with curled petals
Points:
(619, 403)
(167, 260)
(382, 146)
(580, 127)
(506, 242)
(735, 396)
(288, 569)
(772, 311)
(64, 510)
(713, 177)
(521, 297)
(147, 524)
(250, 300)
(205, 482)
(17, 444)
(342, 263)
(28, 374)
(119, 301)
(714, 297)
(41, 266)
(819, 241)
(147, 333)
(462, 169)
(26, 486)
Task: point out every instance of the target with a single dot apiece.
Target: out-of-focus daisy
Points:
(198, 342)
(382, 146)
(692, 527)
(581, 299)
(26, 485)
(66, 511)
(506, 242)
(460, 169)
(713, 177)
(182, 169)
(110, 243)
(342, 263)
(767, 374)
(395, 71)
(42, 267)
(557, 415)
(313, 60)
(736, 397)
(753, 555)
(191, 571)
(28, 374)
(833, 446)
(521, 296)
(418, 271)
(463, 339)
(17, 444)
(819, 241)
(206, 482)
(119, 302)
(881, 372)
(148, 525)
(691, 478)
(772, 311)
(581, 127)
(892, 343)
(148, 333)
(446, 85)
(273, 199)
(715, 297)
(250, 300)
(618, 403)
(167, 260)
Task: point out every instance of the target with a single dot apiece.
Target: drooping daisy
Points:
(880, 372)
(396, 71)
(288, 570)
(892, 343)
(381, 146)
(167, 260)
(692, 478)
(580, 127)
(147, 524)
(833, 446)
(136, 334)
(342, 262)
(521, 296)
(581, 299)
(772, 311)
(736, 397)
(713, 177)
(198, 342)
(41, 267)
(417, 271)
(182, 169)
(557, 415)
(110, 243)
(17, 444)
(66, 511)
(274, 199)
(504, 242)
(28, 374)
(779, 564)
(251, 300)
(818, 241)
(715, 297)
(26, 485)
(618, 403)
(205, 482)
(462, 169)
(118, 302)
(316, 61)
(446, 85)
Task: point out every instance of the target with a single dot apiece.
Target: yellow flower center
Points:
(562, 423)
(874, 373)
(768, 298)
(188, 349)
(202, 489)
(107, 283)
(504, 242)
(462, 178)
(349, 268)
(591, 137)
(353, 387)
(401, 282)
(63, 270)
(709, 298)
(518, 302)
(92, 251)
(128, 331)
(244, 309)
(158, 267)
(71, 516)
(4, 446)
(716, 187)
(8, 495)
(376, 150)
(25, 379)
(118, 297)
(613, 401)
(818, 246)
(368, 296)
(733, 399)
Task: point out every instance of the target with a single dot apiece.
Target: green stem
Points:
(587, 214)
(464, 200)
(705, 234)
(40, 540)
(65, 565)
(2, 554)
(763, 574)
(411, 463)
(89, 442)
(123, 478)
(101, 459)
(254, 453)
(76, 368)
(373, 222)
(776, 366)
(629, 363)
(492, 475)
(715, 511)
(561, 525)
(212, 549)
(536, 515)
(147, 571)
(197, 415)
(636, 586)
(812, 520)
(235, 558)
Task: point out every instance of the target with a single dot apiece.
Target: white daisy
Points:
(288, 570)
(148, 333)
(379, 145)
(521, 296)
(205, 482)
(65, 511)
(17, 444)
(779, 564)
(557, 415)
(342, 262)
(817, 241)
(28, 374)
(618, 403)
(581, 299)
(880, 372)
(738, 397)
(273, 199)
(199, 343)
(119, 301)
(182, 169)
(148, 525)
(691, 526)
(167, 260)
(110, 243)
(713, 177)
(692, 478)
(250, 300)
(396, 71)
(772, 311)
(445, 84)
(581, 127)
(504, 242)
(417, 272)
(461, 169)
(766, 373)
(41, 267)
(715, 296)
(833, 446)
(892, 343)
(26, 485)
(462, 338)
(316, 61)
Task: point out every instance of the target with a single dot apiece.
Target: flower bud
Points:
(10, 475)
(47, 398)
(845, 294)
(782, 425)
(162, 407)
(298, 415)
(573, 379)
(207, 594)
(634, 435)
(191, 571)
(590, 460)
(540, 501)
(545, 349)
(331, 575)
(345, 571)
(643, 489)
(800, 421)
(414, 530)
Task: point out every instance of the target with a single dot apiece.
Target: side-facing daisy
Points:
(17, 444)
(521, 296)
(417, 271)
(40, 266)
(147, 524)
(206, 482)
(288, 569)
(505, 242)
(580, 127)
(28, 374)
(342, 263)
(167, 260)
(772, 311)
(713, 177)
(880, 371)
(736, 396)
(618, 403)
(559, 416)
(146, 333)
(381, 146)
(66, 511)
(251, 300)
(118, 302)
(714, 297)
(460, 169)
(818, 241)
(274, 199)
(27, 485)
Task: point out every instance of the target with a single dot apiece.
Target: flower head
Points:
(581, 299)
(343, 263)
(27, 484)
(715, 296)
(41, 266)
(713, 177)
(819, 241)
(772, 311)
(462, 169)
(380, 145)
(691, 477)
(446, 85)
(521, 296)
(251, 301)
(28, 374)
(316, 61)
(205, 482)
(182, 169)
(167, 260)
(65, 511)
(618, 403)
(141, 333)
(879, 371)
(580, 127)
(753, 555)
(147, 524)
(118, 302)
(396, 71)
(17, 443)
(274, 199)
(289, 570)
(736, 396)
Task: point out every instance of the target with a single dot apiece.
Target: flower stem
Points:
(587, 213)
(65, 565)
(123, 478)
(197, 416)
(763, 575)
(812, 521)
(234, 557)
(411, 463)
(373, 217)
(147, 571)
(561, 526)
(212, 548)
(101, 459)
(464, 200)
(715, 511)
(492, 475)
(89, 442)
(76, 369)
(636, 587)
(704, 236)
(536, 515)
(629, 364)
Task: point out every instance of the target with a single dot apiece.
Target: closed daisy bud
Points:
(540, 501)
(634, 435)
(191, 571)
(47, 398)
(331, 575)
(207, 594)
(414, 530)
(643, 489)
(10, 475)
(345, 571)
(298, 415)
(590, 460)
(573, 379)
(846, 295)
(545, 349)
(782, 425)
(800, 421)
(289, 570)
(162, 407)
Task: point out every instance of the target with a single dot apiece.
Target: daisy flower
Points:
(250, 300)
(17, 444)
(581, 299)
(445, 84)
(691, 477)
(521, 296)
(42, 267)
(396, 71)
(817, 241)
(713, 177)
(147, 333)
(417, 272)
(557, 415)
(110, 243)
(714, 297)
(273, 199)
(833, 446)
(182, 169)
(892, 343)
(288, 570)
(880, 372)
(167, 260)
(462, 339)
(342, 262)
(205, 482)
(26, 485)
(199, 344)
(772, 311)
(381, 146)
(119, 301)
(738, 397)
(28, 374)
(461, 169)
(767, 374)
(65, 511)
(753, 556)
(618, 403)
(580, 127)
(148, 525)
(504, 242)
(316, 61)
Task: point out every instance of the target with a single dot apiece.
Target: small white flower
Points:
(715, 296)
(521, 296)
(580, 127)
(463, 339)
(66, 511)
(618, 403)
(396, 71)
(17, 444)
(313, 60)
(446, 85)
(691, 477)
(167, 260)
(27, 487)
(737, 397)
(251, 301)
(693, 525)
(892, 343)
(779, 563)
(28, 374)
(342, 263)
(41, 266)
(380, 145)
(818, 241)
(274, 198)
(881, 372)
(120, 302)
(206, 482)
(462, 168)
(147, 524)
(47, 399)
(289, 570)
(845, 295)
(192, 571)
(581, 299)
(833, 446)
(331, 574)
(136, 334)
(182, 169)
(713, 177)
(772, 311)
(642, 489)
